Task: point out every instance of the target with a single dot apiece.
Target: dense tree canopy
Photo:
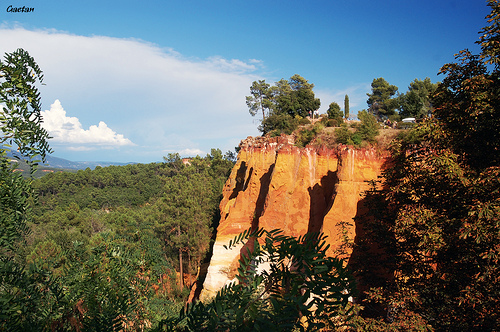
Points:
(296, 97)
(438, 214)
(416, 103)
(380, 101)
(91, 256)
(335, 113)
(284, 103)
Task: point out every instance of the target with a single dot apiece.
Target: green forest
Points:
(118, 248)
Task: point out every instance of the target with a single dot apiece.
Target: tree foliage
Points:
(260, 99)
(108, 264)
(276, 124)
(369, 128)
(366, 131)
(438, 214)
(88, 256)
(335, 113)
(285, 102)
(22, 291)
(299, 289)
(296, 99)
(21, 106)
(467, 106)
(380, 101)
(416, 102)
(346, 107)
(20, 127)
(188, 208)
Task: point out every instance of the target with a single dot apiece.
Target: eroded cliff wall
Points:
(275, 184)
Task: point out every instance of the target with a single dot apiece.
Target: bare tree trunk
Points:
(181, 282)
(189, 265)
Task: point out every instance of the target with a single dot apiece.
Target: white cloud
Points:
(80, 148)
(147, 93)
(233, 65)
(65, 129)
(192, 152)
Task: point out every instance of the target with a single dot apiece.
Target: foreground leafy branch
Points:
(285, 283)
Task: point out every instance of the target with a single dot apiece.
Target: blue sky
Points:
(132, 81)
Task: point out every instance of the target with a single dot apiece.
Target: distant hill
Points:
(55, 164)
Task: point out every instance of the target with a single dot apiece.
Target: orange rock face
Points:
(275, 184)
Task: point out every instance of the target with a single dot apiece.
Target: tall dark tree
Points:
(380, 101)
(346, 107)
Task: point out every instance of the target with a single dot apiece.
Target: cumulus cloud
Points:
(68, 129)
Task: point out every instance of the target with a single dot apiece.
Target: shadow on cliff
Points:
(241, 185)
(372, 260)
(265, 181)
(240, 180)
(321, 198)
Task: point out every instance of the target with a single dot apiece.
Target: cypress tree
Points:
(346, 106)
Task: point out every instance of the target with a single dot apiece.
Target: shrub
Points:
(304, 121)
(330, 122)
(334, 112)
(275, 124)
(305, 136)
(369, 127)
(343, 135)
(356, 139)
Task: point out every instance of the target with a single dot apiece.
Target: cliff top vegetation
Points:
(290, 107)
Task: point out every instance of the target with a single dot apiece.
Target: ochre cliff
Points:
(275, 184)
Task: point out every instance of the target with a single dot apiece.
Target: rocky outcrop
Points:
(275, 184)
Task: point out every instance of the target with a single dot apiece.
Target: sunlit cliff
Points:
(275, 184)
